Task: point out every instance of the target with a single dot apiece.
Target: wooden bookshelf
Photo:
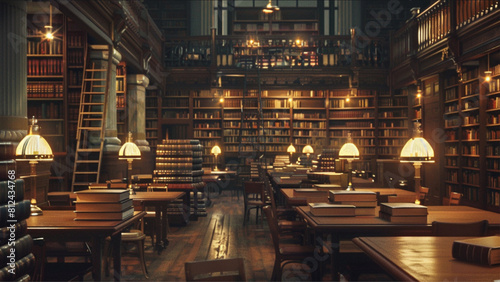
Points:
(392, 123)
(121, 101)
(492, 153)
(207, 122)
(153, 110)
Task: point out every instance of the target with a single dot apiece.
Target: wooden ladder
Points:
(91, 124)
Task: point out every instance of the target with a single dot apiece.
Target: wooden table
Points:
(160, 201)
(381, 192)
(423, 259)
(347, 228)
(60, 226)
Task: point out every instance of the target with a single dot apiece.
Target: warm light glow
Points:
(129, 150)
(221, 100)
(308, 150)
(298, 42)
(349, 151)
(270, 8)
(215, 150)
(417, 201)
(417, 149)
(487, 77)
(347, 99)
(34, 147)
(290, 99)
(291, 149)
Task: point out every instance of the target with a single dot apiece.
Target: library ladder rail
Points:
(90, 131)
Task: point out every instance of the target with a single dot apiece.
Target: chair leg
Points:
(140, 250)
(276, 276)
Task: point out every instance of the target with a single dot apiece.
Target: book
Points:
(21, 267)
(326, 209)
(11, 190)
(305, 192)
(364, 211)
(102, 195)
(415, 219)
(344, 195)
(403, 209)
(22, 210)
(82, 206)
(97, 215)
(358, 204)
(20, 248)
(482, 250)
(7, 150)
(19, 229)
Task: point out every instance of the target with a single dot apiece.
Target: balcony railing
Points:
(276, 52)
(436, 23)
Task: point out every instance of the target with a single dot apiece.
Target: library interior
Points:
(260, 140)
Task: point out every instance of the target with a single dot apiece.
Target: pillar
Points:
(136, 109)
(99, 56)
(14, 106)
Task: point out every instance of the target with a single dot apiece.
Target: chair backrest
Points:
(422, 193)
(216, 270)
(98, 186)
(157, 187)
(254, 188)
(477, 228)
(273, 228)
(59, 200)
(455, 198)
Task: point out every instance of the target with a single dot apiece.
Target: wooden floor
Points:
(220, 234)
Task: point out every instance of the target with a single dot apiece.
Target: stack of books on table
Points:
(328, 209)
(364, 201)
(405, 213)
(103, 204)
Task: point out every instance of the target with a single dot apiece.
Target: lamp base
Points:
(35, 210)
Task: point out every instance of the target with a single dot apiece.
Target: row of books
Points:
(45, 66)
(45, 90)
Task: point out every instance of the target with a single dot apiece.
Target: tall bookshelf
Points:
(176, 114)
(452, 121)
(207, 122)
(493, 141)
(153, 103)
(470, 152)
(353, 110)
(309, 125)
(121, 101)
(276, 120)
(392, 123)
(46, 78)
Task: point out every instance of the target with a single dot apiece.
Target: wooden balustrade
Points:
(436, 23)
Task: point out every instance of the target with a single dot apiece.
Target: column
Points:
(136, 109)
(14, 106)
(99, 55)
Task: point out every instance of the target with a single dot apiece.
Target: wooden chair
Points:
(422, 194)
(254, 198)
(455, 198)
(284, 253)
(133, 236)
(477, 228)
(216, 270)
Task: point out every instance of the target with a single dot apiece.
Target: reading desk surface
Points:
(423, 259)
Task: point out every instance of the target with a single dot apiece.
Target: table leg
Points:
(117, 261)
(335, 257)
(164, 225)
(97, 258)
(158, 227)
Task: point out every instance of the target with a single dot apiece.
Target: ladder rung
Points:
(96, 69)
(91, 113)
(87, 161)
(95, 79)
(93, 93)
(88, 150)
(81, 184)
(90, 128)
(85, 172)
(92, 104)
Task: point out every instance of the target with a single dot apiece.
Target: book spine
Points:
(22, 248)
(10, 190)
(471, 253)
(5, 167)
(18, 229)
(21, 212)
(21, 266)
